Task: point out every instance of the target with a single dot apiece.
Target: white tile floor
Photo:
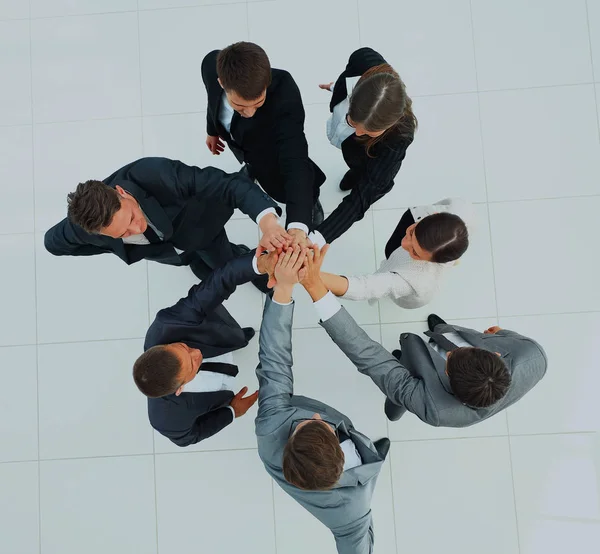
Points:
(507, 95)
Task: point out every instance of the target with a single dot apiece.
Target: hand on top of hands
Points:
(290, 268)
(274, 236)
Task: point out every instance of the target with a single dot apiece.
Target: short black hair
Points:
(156, 372)
(444, 235)
(244, 68)
(478, 377)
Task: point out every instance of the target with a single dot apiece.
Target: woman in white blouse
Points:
(425, 245)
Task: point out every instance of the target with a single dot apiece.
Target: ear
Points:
(220, 83)
(121, 191)
(498, 354)
(179, 390)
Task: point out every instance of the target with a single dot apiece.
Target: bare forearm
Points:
(338, 284)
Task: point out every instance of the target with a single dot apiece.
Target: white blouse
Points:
(410, 283)
(338, 129)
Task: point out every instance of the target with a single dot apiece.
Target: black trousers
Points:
(396, 239)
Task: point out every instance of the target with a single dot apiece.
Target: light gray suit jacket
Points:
(345, 509)
(419, 382)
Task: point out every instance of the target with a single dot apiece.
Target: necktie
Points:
(218, 367)
(151, 235)
(441, 341)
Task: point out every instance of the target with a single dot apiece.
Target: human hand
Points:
(215, 144)
(314, 261)
(240, 404)
(492, 330)
(299, 237)
(326, 86)
(289, 270)
(274, 235)
(266, 264)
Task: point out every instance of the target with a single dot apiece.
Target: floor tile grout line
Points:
(589, 28)
(390, 457)
(485, 180)
(273, 510)
(514, 490)
(495, 281)
(35, 301)
(185, 452)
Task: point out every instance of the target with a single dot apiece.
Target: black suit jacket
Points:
(189, 205)
(200, 321)
(377, 172)
(272, 142)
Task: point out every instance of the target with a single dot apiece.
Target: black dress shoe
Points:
(434, 320)
(383, 447)
(397, 354)
(248, 333)
(393, 411)
(349, 180)
(317, 214)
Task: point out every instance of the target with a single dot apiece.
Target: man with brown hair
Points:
(258, 112)
(187, 370)
(164, 210)
(311, 450)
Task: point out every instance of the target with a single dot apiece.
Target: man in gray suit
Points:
(311, 450)
(459, 378)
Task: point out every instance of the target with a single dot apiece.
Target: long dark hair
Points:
(379, 101)
(443, 234)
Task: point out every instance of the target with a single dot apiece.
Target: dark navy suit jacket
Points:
(200, 321)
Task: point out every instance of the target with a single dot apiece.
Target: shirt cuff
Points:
(327, 306)
(255, 265)
(281, 303)
(232, 412)
(264, 213)
(298, 225)
(317, 238)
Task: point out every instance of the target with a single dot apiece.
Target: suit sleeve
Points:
(209, 77)
(67, 239)
(373, 360)
(375, 183)
(205, 426)
(357, 537)
(203, 298)
(292, 151)
(274, 371)
(234, 190)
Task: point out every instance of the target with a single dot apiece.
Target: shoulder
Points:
(282, 85)
(209, 63)
(362, 59)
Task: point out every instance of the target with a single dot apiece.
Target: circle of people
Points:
(166, 211)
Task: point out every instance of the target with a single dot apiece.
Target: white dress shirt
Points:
(338, 129)
(351, 456)
(452, 337)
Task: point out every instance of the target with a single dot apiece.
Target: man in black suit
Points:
(188, 347)
(164, 210)
(258, 112)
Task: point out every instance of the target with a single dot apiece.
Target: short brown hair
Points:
(313, 459)
(478, 378)
(244, 68)
(93, 205)
(156, 372)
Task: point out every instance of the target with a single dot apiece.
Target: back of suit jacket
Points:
(346, 508)
(188, 205)
(419, 382)
(200, 321)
